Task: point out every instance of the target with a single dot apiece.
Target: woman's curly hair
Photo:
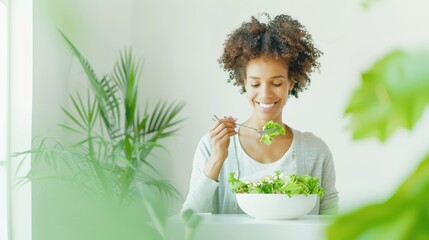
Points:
(281, 38)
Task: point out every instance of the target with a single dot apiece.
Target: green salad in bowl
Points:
(278, 183)
(278, 196)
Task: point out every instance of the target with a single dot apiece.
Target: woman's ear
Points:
(291, 84)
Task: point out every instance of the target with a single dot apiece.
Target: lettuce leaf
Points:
(268, 137)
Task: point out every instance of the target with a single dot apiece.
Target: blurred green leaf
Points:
(393, 94)
(366, 4)
(404, 216)
(192, 221)
(65, 14)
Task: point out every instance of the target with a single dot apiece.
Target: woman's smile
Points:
(267, 107)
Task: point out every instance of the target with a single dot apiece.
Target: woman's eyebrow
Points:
(279, 76)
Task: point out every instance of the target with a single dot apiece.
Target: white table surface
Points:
(242, 226)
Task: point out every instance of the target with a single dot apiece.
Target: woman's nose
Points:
(266, 90)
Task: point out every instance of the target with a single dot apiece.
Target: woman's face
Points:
(267, 86)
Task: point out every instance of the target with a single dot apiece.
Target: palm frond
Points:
(71, 117)
(47, 154)
(162, 120)
(145, 162)
(155, 116)
(126, 75)
(163, 186)
(109, 107)
(105, 91)
(70, 129)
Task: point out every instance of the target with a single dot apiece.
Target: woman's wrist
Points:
(213, 166)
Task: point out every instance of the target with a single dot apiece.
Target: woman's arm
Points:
(202, 188)
(329, 202)
(208, 160)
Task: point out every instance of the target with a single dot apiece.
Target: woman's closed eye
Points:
(255, 85)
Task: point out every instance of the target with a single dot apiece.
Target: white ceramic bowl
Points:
(276, 206)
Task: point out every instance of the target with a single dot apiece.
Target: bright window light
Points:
(3, 121)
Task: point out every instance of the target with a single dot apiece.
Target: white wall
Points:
(181, 42)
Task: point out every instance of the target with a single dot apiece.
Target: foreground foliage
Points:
(393, 95)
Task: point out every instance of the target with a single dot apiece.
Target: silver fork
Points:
(262, 132)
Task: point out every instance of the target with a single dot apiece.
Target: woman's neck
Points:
(256, 122)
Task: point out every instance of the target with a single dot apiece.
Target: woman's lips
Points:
(266, 107)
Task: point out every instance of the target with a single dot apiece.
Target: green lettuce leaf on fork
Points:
(268, 137)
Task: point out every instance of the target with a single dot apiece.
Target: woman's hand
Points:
(220, 134)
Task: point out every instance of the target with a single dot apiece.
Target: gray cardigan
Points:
(313, 157)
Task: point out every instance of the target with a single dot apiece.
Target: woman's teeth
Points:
(266, 105)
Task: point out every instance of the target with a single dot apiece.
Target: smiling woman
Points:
(270, 62)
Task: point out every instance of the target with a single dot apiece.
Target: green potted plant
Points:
(112, 196)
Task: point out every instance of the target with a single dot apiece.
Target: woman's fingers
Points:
(230, 127)
(225, 133)
(222, 137)
(220, 134)
(222, 130)
(224, 123)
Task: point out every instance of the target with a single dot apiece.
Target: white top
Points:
(251, 170)
(308, 154)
